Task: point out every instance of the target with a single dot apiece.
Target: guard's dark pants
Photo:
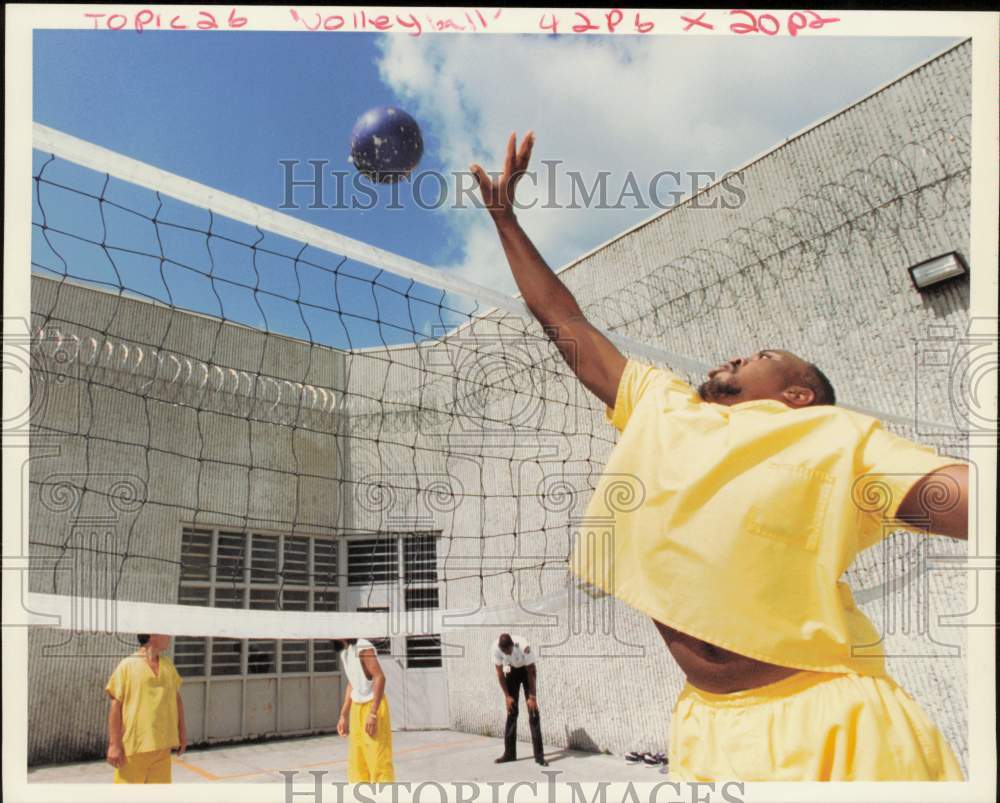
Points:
(516, 678)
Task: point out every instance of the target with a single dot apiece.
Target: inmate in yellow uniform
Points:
(149, 718)
(369, 759)
(734, 524)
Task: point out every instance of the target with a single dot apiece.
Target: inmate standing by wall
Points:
(146, 718)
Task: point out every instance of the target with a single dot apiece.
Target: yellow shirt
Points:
(735, 524)
(149, 704)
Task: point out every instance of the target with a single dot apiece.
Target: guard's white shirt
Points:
(520, 655)
(362, 689)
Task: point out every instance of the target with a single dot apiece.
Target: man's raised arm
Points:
(591, 356)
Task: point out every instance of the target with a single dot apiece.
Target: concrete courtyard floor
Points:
(438, 755)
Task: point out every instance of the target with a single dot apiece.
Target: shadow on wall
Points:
(579, 739)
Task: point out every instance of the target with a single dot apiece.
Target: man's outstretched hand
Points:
(499, 195)
(594, 359)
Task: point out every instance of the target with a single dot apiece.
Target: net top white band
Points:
(89, 614)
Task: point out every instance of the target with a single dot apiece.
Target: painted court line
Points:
(209, 776)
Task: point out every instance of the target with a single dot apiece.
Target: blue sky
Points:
(225, 108)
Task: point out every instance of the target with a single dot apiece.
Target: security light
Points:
(938, 269)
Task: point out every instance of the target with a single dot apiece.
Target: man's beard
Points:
(715, 389)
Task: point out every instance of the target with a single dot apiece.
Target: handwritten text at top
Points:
(742, 22)
(477, 20)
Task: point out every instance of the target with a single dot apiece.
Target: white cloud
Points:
(641, 105)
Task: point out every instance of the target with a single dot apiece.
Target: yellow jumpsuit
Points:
(734, 524)
(149, 718)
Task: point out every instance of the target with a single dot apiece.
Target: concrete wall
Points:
(106, 512)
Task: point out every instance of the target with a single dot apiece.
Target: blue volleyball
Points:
(386, 144)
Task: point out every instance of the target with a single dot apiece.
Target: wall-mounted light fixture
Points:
(938, 269)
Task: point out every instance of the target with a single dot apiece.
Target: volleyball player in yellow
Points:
(757, 494)
(365, 714)
(146, 719)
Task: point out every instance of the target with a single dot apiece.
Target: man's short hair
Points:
(505, 641)
(142, 638)
(814, 379)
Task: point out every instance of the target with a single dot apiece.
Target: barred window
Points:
(420, 598)
(261, 656)
(224, 568)
(264, 558)
(423, 652)
(227, 656)
(256, 571)
(420, 557)
(325, 656)
(375, 561)
(196, 555)
(189, 656)
(372, 560)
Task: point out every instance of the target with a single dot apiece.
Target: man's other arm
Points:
(939, 502)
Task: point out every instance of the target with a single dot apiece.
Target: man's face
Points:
(768, 374)
(507, 649)
(159, 642)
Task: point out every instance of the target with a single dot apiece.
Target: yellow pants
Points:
(145, 768)
(370, 760)
(812, 726)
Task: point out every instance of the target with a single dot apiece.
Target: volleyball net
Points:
(264, 428)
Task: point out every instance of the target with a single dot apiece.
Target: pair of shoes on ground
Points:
(541, 762)
(649, 759)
